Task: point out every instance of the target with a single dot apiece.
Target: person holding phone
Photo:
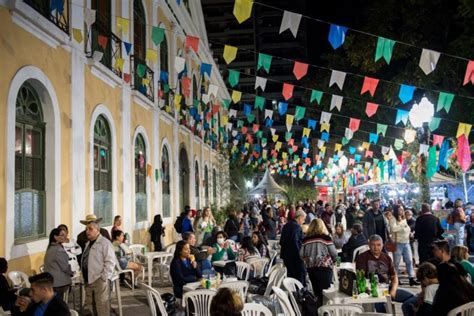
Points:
(223, 249)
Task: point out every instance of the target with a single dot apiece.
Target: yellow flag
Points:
(275, 138)
(247, 145)
(242, 9)
(306, 131)
(289, 119)
(325, 127)
(322, 149)
(122, 25)
(152, 55)
(177, 100)
(264, 154)
(236, 96)
(337, 147)
(284, 156)
(145, 81)
(278, 146)
(77, 34)
(224, 120)
(119, 64)
(465, 129)
(230, 52)
(366, 145)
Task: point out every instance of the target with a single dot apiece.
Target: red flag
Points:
(463, 153)
(354, 124)
(287, 91)
(255, 128)
(102, 41)
(215, 108)
(193, 42)
(370, 84)
(126, 78)
(369, 153)
(371, 108)
(295, 148)
(186, 84)
(437, 140)
(243, 130)
(300, 70)
(469, 76)
(291, 142)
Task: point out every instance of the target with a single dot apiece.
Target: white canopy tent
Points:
(267, 186)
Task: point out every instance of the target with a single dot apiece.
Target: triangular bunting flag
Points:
(282, 108)
(444, 101)
(259, 102)
(325, 117)
(409, 135)
(384, 49)
(469, 76)
(287, 91)
(260, 82)
(353, 124)
(233, 78)
(463, 153)
(192, 42)
(264, 61)
(406, 93)
(337, 35)
(428, 60)
(242, 9)
(336, 102)
(371, 109)
(299, 112)
(300, 70)
(349, 133)
(316, 95)
(402, 116)
(338, 78)
(230, 52)
(381, 129)
(463, 128)
(157, 35)
(370, 84)
(290, 21)
(434, 124)
(236, 96)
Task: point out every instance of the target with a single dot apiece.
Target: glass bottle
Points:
(355, 291)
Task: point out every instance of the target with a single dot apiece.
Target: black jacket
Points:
(428, 228)
(352, 244)
(232, 226)
(291, 240)
(56, 307)
(368, 223)
(181, 274)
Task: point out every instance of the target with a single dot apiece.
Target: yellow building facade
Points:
(106, 109)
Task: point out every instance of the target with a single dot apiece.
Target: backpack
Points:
(178, 225)
(307, 302)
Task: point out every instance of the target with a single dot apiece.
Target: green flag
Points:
(444, 101)
(398, 144)
(288, 136)
(264, 141)
(250, 118)
(376, 161)
(299, 113)
(431, 163)
(259, 134)
(384, 49)
(264, 61)
(344, 141)
(141, 70)
(382, 170)
(316, 95)
(434, 124)
(157, 35)
(381, 129)
(225, 103)
(166, 88)
(234, 76)
(290, 151)
(259, 102)
(240, 123)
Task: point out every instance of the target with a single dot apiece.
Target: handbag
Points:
(390, 245)
(307, 302)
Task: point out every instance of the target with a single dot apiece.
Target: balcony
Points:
(143, 77)
(57, 16)
(113, 47)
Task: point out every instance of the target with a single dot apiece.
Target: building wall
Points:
(77, 90)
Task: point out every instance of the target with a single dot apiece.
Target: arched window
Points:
(30, 195)
(196, 185)
(139, 30)
(183, 179)
(103, 170)
(214, 186)
(206, 185)
(165, 180)
(140, 179)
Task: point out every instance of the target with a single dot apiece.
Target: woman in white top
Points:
(204, 226)
(400, 232)
(72, 249)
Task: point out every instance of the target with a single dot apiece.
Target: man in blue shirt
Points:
(40, 300)
(187, 222)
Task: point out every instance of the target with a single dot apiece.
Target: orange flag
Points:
(370, 84)
(193, 42)
(371, 109)
(469, 76)
(300, 70)
(354, 124)
(287, 91)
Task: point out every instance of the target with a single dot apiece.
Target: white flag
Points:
(89, 17)
(306, 150)
(428, 60)
(423, 149)
(409, 135)
(268, 113)
(338, 78)
(179, 63)
(320, 143)
(97, 56)
(272, 130)
(290, 21)
(336, 102)
(260, 82)
(229, 126)
(349, 133)
(205, 98)
(213, 89)
(232, 113)
(325, 117)
(385, 150)
(234, 133)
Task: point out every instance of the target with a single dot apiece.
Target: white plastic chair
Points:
(137, 250)
(254, 309)
(340, 310)
(116, 288)
(239, 286)
(292, 285)
(273, 256)
(274, 267)
(243, 270)
(359, 250)
(73, 312)
(19, 279)
(2, 312)
(258, 266)
(275, 279)
(464, 310)
(154, 300)
(284, 301)
(201, 300)
(119, 271)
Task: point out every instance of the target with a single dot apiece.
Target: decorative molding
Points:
(104, 73)
(142, 100)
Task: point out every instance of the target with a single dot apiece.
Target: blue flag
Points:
(337, 35)
(312, 124)
(406, 93)
(282, 108)
(206, 69)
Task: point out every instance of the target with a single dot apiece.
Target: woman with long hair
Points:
(183, 268)
(318, 254)
(260, 243)
(56, 262)
(461, 255)
(204, 225)
(247, 250)
(124, 254)
(401, 235)
(72, 249)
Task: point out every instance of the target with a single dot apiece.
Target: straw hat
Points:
(91, 218)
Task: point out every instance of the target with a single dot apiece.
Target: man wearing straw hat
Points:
(98, 264)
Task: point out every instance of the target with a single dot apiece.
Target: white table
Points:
(197, 285)
(221, 263)
(334, 296)
(150, 257)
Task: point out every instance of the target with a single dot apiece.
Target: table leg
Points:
(150, 271)
(80, 298)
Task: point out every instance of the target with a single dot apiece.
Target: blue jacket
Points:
(181, 274)
(291, 240)
(187, 225)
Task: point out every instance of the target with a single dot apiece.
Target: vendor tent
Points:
(267, 186)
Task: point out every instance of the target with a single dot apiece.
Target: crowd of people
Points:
(313, 236)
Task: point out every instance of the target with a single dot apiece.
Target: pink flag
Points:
(300, 70)
(370, 84)
(469, 76)
(369, 153)
(291, 142)
(354, 124)
(351, 161)
(371, 109)
(193, 42)
(244, 129)
(463, 153)
(287, 91)
(255, 128)
(437, 140)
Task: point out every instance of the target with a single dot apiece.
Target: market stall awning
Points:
(267, 186)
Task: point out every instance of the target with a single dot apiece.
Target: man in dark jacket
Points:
(232, 226)
(290, 242)
(43, 300)
(356, 240)
(373, 222)
(427, 230)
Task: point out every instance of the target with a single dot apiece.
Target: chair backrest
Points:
(464, 310)
(275, 279)
(201, 300)
(284, 301)
(243, 270)
(359, 250)
(240, 287)
(292, 285)
(254, 309)
(154, 299)
(273, 256)
(19, 278)
(258, 266)
(274, 267)
(73, 312)
(137, 249)
(171, 248)
(373, 314)
(340, 310)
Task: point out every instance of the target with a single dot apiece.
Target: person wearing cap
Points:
(98, 264)
(291, 240)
